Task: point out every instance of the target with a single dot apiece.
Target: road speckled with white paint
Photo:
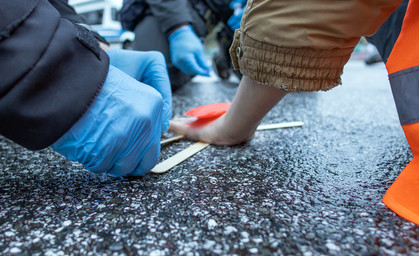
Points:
(312, 190)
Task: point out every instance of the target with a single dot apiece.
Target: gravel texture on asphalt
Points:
(311, 190)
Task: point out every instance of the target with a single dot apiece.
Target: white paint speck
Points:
(258, 240)
(155, 253)
(244, 219)
(9, 234)
(67, 223)
(331, 246)
(364, 214)
(387, 242)
(48, 237)
(307, 253)
(359, 232)
(15, 250)
(212, 223)
(253, 250)
(230, 229)
(209, 245)
(50, 253)
(59, 230)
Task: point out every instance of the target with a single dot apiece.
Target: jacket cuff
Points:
(291, 69)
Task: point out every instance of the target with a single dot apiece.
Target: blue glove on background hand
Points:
(149, 68)
(238, 7)
(187, 52)
(120, 132)
(237, 4)
(235, 19)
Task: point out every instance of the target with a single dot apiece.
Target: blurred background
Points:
(103, 16)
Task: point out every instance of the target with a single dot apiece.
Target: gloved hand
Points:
(149, 68)
(238, 7)
(120, 132)
(237, 4)
(187, 52)
(235, 19)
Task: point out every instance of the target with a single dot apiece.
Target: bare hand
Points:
(251, 103)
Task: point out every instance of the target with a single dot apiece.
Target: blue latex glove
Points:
(237, 4)
(120, 132)
(238, 7)
(187, 52)
(235, 19)
(149, 68)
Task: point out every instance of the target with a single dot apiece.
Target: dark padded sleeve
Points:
(66, 11)
(50, 69)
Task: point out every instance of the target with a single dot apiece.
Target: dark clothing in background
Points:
(158, 41)
(171, 13)
(50, 69)
(386, 36)
(154, 20)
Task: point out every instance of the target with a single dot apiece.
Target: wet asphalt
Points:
(311, 190)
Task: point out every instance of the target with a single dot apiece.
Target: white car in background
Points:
(102, 15)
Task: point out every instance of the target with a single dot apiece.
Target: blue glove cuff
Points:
(182, 30)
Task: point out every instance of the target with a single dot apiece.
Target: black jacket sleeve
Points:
(50, 69)
(170, 13)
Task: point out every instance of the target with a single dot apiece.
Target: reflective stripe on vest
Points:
(403, 67)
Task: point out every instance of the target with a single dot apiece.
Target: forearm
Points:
(296, 48)
(250, 104)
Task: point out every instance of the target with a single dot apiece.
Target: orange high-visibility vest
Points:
(403, 68)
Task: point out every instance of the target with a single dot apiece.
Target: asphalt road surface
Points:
(311, 190)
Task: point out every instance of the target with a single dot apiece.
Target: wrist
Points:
(177, 27)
